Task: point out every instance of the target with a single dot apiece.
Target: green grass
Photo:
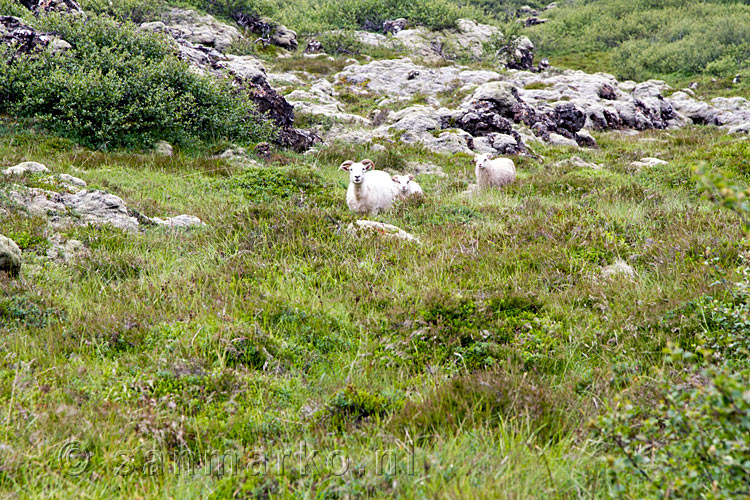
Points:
(673, 39)
(273, 354)
(482, 352)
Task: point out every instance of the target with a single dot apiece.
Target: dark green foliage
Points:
(435, 14)
(693, 443)
(315, 16)
(229, 8)
(29, 233)
(119, 87)
(720, 325)
(341, 43)
(350, 406)
(22, 310)
(475, 334)
(313, 330)
(137, 11)
(266, 184)
(246, 351)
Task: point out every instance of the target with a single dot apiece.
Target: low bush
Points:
(694, 443)
(118, 87)
(137, 11)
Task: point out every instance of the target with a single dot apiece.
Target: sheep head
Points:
(356, 170)
(403, 182)
(481, 160)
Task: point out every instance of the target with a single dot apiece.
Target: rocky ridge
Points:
(503, 111)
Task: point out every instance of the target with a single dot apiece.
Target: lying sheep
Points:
(406, 187)
(369, 190)
(497, 172)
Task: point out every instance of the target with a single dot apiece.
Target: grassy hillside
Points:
(482, 353)
(644, 39)
(276, 353)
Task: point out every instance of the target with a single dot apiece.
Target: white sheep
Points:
(406, 186)
(497, 172)
(369, 190)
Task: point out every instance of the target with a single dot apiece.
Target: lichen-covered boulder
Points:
(10, 256)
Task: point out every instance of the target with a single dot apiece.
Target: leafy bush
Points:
(22, 310)
(119, 87)
(502, 47)
(341, 42)
(228, 8)
(694, 443)
(264, 184)
(13, 8)
(725, 192)
(137, 11)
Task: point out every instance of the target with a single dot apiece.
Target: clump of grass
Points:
(490, 398)
(351, 406)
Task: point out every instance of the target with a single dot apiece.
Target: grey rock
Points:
(163, 148)
(395, 25)
(27, 167)
(383, 229)
(58, 46)
(99, 208)
(269, 30)
(202, 29)
(561, 140)
(619, 268)
(179, 222)
(75, 181)
(403, 78)
(10, 256)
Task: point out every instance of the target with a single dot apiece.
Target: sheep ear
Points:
(394, 178)
(346, 165)
(367, 163)
(411, 177)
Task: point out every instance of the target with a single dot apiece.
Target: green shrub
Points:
(265, 184)
(694, 443)
(137, 11)
(13, 8)
(228, 8)
(119, 87)
(22, 310)
(341, 42)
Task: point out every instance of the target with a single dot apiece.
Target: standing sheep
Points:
(496, 173)
(369, 190)
(406, 187)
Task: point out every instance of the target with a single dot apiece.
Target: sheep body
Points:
(406, 186)
(369, 190)
(494, 173)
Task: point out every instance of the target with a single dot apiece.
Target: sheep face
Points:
(482, 160)
(356, 170)
(403, 182)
